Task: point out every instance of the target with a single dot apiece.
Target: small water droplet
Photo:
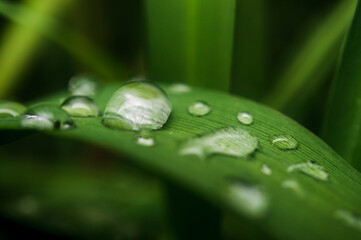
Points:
(311, 169)
(145, 138)
(147, 142)
(46, 117)
(284, 142)
(231, 141)
(248, 199)
(83, 85)
(11, 109)
(28, 205)
(137, 105)
(80, 106)
(293, 185)
(349, 218)
(199, 108)
(266, 170)
(245, 118)
(179, 88)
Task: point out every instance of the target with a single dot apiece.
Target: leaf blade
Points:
(314, 212)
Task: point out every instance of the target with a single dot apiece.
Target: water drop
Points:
(145, 138)
(137, 105)
(199, 108)
(293, 185)
(46, 117)
(245, 118)
(349, 218)
(147, 142)
(83, 85)
(28, 205)
(284, 142)
(248, 199)
(11, 109)
(80, 106)
(266, 170)
(179, 88)
(311, 169)
(231, 141)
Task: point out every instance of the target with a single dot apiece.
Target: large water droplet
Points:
(311, 169)
(11, 109)
(265, 169)
(46, 117)
(245, 118)
(83, 85)
(199, 108)
(231, 141)
(248, 199)
(80, 106)
(145, 138)
(179, 88)
(349, 218)
(137, 105)
(293, 185)
(284, 142)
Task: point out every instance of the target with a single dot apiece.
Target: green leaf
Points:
(295, 203)
(191, 41)
(342, 127)
(314, 60)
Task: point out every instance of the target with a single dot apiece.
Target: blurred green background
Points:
(282, 53)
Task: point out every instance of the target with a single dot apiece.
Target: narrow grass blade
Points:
(19, 43)
(314, 61)
(342, 126)
(191, 41)
(25, 35)
(249, 49)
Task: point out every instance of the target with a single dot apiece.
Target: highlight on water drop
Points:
(349, 218)
(46, 117)
(229, 141)
(136, 106)
(245, 118)
(11, 109)
(294, 186)
(83, 85)
(179, 88)
(199, 108)
(80, 106)
(284, 142)
(266, 170)
(145, 138)
(247, 198)
(311, 169)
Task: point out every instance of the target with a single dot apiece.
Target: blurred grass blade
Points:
(191, 41)
(23, 38)
(342, 126)
(19, 43)
(307, 71)
(285, 201)
(248, 65)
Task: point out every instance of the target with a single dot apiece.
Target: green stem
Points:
(342, 126)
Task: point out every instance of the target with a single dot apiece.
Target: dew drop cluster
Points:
(143, 107)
